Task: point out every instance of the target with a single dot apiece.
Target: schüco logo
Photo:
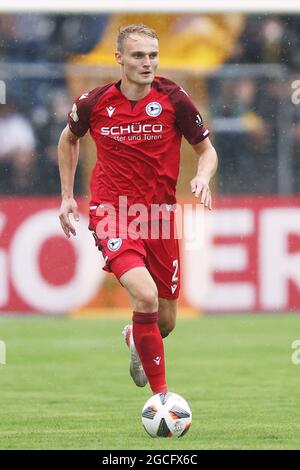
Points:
(132, 129)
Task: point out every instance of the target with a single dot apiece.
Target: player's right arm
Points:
(68, 152)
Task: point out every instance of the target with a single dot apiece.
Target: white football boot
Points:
(136, 369)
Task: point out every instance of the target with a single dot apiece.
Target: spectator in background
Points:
(74, 34)
(269, 40)
(273, 40)
(24, 38)
(37, 39)
(17, 153)
(49, 125)
(238, 119)
(48, 38)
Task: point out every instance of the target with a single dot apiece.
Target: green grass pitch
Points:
(66, 384)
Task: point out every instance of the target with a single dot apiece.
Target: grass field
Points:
(66, 384)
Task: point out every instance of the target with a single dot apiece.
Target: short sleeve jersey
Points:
(138, 143)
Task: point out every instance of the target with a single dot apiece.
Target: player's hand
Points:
(201, 189)
(68, 206)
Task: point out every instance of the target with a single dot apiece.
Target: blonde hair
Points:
(125, 32)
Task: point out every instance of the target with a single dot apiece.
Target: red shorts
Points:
(160, 256)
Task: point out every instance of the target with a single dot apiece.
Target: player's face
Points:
(139, 59)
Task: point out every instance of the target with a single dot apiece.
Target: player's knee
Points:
(147, 300)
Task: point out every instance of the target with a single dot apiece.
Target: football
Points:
(166, 415)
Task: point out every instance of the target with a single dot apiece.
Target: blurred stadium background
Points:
(243, 70)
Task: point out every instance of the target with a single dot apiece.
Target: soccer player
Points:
(137, 124)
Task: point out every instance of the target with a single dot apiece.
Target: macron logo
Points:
(173, 288)
(157, 360)
(85, 95)
(183, 91)
(110, 110)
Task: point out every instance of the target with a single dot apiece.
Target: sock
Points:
(150, 348)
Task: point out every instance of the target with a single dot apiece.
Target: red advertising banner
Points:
(242, 256)
(250, 259)
(40, 269)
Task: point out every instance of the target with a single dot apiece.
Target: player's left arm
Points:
(207, 166)
(190, 123)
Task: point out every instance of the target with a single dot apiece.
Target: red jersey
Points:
(138, 142)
